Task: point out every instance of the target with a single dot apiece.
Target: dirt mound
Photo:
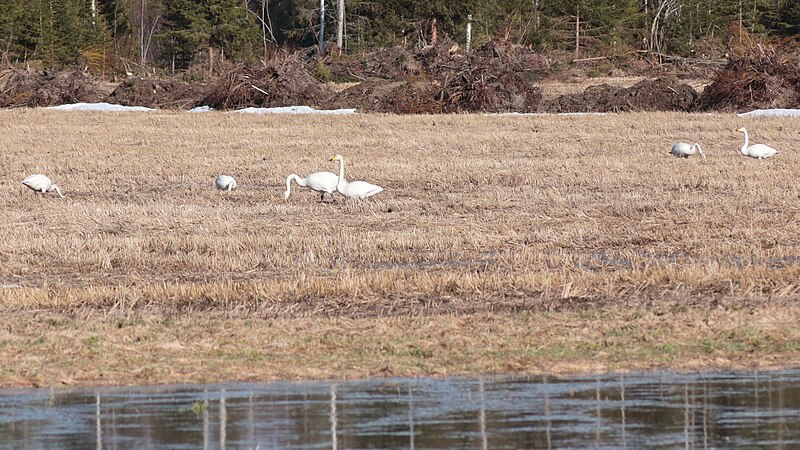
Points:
(756, 76)
(19, 88)
(662, 94)
(401, 97)
(156, 93)
(281, 83)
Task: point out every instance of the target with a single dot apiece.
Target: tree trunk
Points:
(340, 27)
(577, 32)
(141, 35)
(321, 26)
(469, 31)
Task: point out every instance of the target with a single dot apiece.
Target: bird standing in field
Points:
(321, 182)
(759, 151)
(354, 189)
(41, 183)
(225, 183)
(684, 150)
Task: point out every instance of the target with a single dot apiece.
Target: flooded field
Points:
(635, 410)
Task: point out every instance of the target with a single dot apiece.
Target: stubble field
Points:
(500, 244)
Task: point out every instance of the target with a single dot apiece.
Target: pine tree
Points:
(193, 27)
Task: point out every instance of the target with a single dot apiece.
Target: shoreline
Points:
(46, 349)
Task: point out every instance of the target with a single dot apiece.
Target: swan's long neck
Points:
(341, 182)
(746, 141)
(696, 145)
(298, 180)
(58, 191)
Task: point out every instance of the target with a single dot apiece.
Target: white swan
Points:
(40, 183)
(684, 150)
(225, 183)
(759, 151)
(321, 182)
(355, 189)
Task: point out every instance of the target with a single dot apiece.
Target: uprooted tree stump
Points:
(283, 83)
(481, 89)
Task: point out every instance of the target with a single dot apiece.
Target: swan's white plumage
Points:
(354, 189)
(321, 182)
(225, 183)
(41, 183)
(759, 151)
(684, 150)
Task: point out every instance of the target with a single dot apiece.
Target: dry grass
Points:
(44, 349)
(482, 216)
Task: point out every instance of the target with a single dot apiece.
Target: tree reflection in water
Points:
(744, 409)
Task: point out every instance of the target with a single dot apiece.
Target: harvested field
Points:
(522, 244)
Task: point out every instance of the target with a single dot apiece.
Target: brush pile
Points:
(160, 93)
(496, 77)
(26, 88)
(281, 83)
(484, 89)
(758, 75)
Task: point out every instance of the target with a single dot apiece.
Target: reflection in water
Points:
(223, 419)
(731, 409)
(206, 419)
(334, 444)
(99, 427)
(410, 418)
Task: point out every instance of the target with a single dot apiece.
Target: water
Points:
(729, 409)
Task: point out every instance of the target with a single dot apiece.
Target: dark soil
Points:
(662, 94)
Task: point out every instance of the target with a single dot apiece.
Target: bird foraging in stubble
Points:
(225, 183)
(41, 183)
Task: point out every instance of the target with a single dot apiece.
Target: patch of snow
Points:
(98, 107)
(772, 113)
(202, 109)
(295, 110)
